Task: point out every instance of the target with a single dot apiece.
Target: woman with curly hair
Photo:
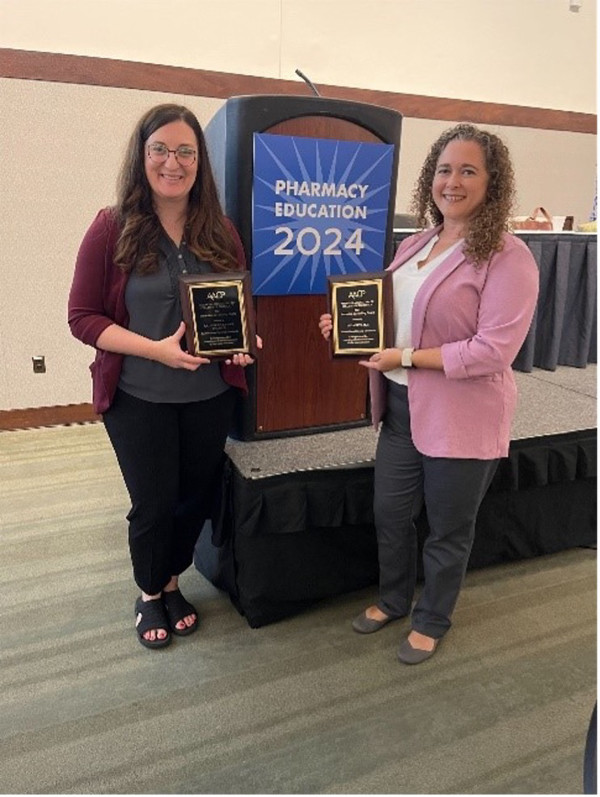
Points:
(465, 291)
(167, 413)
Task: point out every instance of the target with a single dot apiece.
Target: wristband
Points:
(407, 355)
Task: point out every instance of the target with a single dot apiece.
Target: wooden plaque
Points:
(218, 314)
(362, 314)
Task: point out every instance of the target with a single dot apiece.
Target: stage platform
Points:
(296, 521)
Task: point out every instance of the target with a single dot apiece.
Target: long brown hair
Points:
(486, 228)
(206, 232)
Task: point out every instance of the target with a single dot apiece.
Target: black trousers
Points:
(171, 458)
(452, 490)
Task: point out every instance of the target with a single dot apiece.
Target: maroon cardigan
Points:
(97, 300)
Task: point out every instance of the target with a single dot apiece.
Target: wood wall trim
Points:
(33, 418)
(86, 70)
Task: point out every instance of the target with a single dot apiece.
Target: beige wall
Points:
(61, 144)
(521, 52)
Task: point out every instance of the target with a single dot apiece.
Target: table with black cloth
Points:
(563, 331)
(292, 533)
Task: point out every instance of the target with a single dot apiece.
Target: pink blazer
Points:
(479, 318)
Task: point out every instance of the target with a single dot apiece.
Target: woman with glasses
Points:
(167, 412)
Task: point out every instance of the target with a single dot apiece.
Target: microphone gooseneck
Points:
(308, 82)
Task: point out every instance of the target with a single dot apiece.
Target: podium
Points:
(295, 386)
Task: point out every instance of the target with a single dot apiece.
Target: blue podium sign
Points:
(319, 208)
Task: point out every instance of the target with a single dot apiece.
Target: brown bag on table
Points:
(540, 219)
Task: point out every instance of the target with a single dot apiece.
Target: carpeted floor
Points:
(300, 706)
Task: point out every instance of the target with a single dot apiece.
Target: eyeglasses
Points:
(159, 153)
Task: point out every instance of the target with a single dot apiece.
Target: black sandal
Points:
(153, 616)
(177, 608)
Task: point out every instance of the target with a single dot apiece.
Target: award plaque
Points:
(362, 314)
(218, 314)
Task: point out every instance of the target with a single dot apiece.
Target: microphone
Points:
(309, 82)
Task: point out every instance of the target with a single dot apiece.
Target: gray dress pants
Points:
(452, 490)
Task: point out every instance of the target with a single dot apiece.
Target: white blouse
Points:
(407, 281)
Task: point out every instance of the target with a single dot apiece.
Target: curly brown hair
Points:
(207, 234)
(486, 228)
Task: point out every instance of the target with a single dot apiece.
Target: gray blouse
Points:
(154, 309)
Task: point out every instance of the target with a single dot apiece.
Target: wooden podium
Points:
(295, 387)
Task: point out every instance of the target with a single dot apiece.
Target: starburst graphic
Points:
(319, 208)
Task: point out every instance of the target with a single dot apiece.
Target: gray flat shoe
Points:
(365, 625)
(409, 655)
